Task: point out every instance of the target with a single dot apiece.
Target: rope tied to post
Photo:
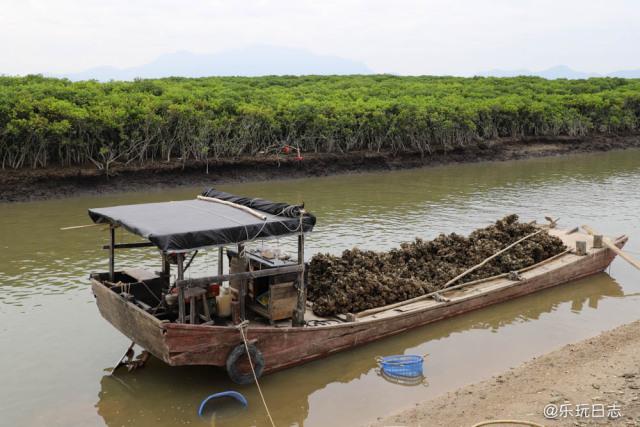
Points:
(241, 327)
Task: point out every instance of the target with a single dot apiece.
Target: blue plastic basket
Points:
(401, 366)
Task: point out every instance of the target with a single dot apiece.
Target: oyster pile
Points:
(359, 280)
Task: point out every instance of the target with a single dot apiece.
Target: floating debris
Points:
(360, 280)
(231, 393)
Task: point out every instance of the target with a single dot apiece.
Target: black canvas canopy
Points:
(189, 224)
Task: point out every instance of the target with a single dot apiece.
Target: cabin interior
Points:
(269, 299)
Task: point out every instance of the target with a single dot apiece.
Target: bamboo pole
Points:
(609, 244)
(477, 266)
(235, 205)
(82, 226)
(446, 285)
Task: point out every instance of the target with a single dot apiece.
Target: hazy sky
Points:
(396, 36)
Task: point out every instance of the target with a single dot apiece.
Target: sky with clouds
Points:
(459, 37)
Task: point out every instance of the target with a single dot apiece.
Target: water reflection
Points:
(48, 312)
(161, 395)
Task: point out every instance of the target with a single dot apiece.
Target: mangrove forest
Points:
(56, 122)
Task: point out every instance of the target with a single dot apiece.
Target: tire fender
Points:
(232, 361)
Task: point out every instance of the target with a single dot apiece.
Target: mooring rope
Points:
(241, 327)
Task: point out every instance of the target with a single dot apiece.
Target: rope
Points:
(524, 423)
(241, 327)
(151, 292)
(190, 261)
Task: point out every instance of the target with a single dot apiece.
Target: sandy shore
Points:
(37, 184)
(601, 375)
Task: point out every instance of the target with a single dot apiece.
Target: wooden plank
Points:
(204, 281)
(609, 244)
(581, 247)
(140, 274)
(239, 266)
(129, 245)
(283, 299)
(75, 227)
(282, 290)
(137, 325)
(263, 311)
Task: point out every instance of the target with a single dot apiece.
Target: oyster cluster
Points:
(359, 280)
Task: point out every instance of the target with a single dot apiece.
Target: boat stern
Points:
(140, 327)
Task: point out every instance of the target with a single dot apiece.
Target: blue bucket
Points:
(401, 366)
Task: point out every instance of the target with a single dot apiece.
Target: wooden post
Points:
(112, 253)
(597, 241)
(166, 268)
(610, 245)
(220, 261)
(181, 302)
(298, 314)
(193, 312)
(242, 291)
(581, 247)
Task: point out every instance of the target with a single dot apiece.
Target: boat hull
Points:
(283, 347)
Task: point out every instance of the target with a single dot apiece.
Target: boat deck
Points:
(473, 289)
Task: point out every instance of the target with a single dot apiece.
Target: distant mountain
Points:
(627, 74)
(559, 72)
(250, 61)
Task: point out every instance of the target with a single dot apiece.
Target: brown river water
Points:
(56, 350)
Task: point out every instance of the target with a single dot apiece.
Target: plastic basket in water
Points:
(401, 366)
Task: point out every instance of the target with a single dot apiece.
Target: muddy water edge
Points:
(56, 349)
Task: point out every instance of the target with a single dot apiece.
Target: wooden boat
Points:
(287, 343)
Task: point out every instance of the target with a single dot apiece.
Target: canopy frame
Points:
(182, 284)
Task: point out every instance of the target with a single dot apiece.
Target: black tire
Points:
(232, 361)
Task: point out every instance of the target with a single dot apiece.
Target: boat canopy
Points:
(215, 218)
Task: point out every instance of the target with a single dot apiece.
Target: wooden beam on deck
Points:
(204, 281)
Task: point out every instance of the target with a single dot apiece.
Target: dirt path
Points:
(596, 374)
(36, 184)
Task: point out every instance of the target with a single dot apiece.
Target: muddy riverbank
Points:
(593, 382)
(37, 184)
